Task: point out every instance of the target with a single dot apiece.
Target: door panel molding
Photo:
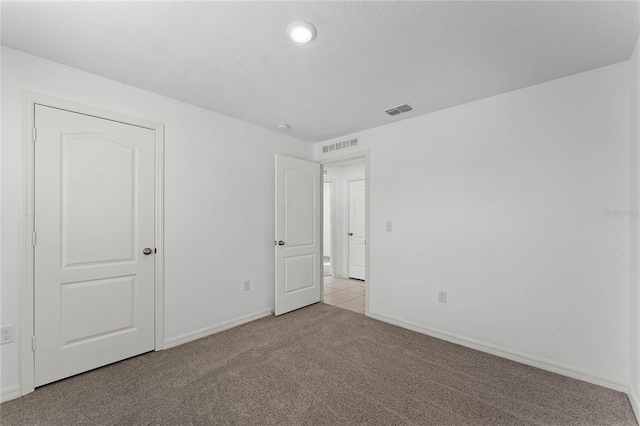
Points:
(27, 311)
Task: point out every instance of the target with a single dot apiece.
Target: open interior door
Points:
(298, 234)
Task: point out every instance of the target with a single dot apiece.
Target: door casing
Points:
(30, 100)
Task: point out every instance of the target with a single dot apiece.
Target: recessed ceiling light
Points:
(282, 127)
(301, 32)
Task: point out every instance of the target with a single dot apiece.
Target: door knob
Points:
(351, 234)
(147, 251)
(280, 243)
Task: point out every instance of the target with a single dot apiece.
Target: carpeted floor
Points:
(320, 365)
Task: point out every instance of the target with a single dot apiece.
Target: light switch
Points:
(389, 226)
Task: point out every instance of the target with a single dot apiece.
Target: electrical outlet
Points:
(247, 285)
(8, 334)
(442, 296)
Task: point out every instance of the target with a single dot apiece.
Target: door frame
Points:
(367, 191)
(347, 248)
(27, 310)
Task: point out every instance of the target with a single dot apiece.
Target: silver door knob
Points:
(280, 243)
(147, 251)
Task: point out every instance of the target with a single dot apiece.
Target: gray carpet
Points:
(320, 365)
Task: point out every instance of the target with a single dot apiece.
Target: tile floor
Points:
(344, 293)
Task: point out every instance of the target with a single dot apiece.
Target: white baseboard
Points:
(207, 331)
(635, 402)
(10, 393)
(544, 364)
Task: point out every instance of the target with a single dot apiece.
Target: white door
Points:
(298, 237)
(94, 216)
(357, 241)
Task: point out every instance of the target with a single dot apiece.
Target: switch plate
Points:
(442, 296)
(8, 334)
(389, 226)
(247, 285)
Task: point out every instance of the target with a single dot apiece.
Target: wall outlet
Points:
(389, 226)
(247, 285)
(442, 296)
(8, 334)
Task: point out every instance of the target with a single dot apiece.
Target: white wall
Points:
(341, 175)
(219, 198)
(634, 355)
(501, 203)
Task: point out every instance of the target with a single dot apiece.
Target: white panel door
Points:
(94, 216)
(298, 238)
(357, 241)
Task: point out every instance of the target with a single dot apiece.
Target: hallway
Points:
(344, 293)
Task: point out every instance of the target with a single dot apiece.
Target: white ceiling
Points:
(235, 58)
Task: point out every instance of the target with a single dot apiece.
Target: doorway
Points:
(345, 286)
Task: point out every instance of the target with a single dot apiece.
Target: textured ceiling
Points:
(235, 58)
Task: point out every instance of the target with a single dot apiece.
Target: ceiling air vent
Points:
(399, 110)
(349, 143)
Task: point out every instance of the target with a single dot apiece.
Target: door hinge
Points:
(33, 239)
(33, 343)
(34, 134)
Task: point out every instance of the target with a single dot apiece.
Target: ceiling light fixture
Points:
(282, 127)
(301, 32)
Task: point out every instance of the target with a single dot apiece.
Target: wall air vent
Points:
(349, 143)
(399, 110)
